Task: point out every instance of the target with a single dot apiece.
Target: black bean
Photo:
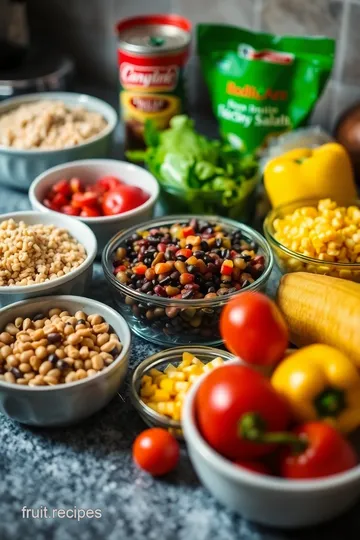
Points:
(207, 230)
(60, 364)
(38, 317)
(199, 254)
(135, 237)
(225, 253)
(165, 281)
(16, 372)
(147, 287)
(188, 246)
(254, 246)
(211, 289)
(188, 294)
(170, 255)
(150, 253)
(54, 337)
(114, 353)
(192, 269)
(181, 258)
(204, 246)
(147, 261)
(218, 242)
(139, 283)
(246, 258)
(174, 276)
(194, 224)
(53, 358)
(236, 247)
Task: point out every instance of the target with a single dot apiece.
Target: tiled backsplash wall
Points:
(85, 29)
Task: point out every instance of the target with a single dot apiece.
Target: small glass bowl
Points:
(159, 361)
(178, 322)
(292, 261)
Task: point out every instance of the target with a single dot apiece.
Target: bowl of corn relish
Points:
(160, 383)
(316, 236)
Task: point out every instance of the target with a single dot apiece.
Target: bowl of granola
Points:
(39, 131)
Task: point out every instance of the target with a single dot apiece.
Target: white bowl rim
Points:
(87, 163)
(238, 474)
(111, 118)
(68, 221)
(125, 341)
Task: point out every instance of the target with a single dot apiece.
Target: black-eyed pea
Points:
(114, 336)
(24, 337)
(29, 376)
(110, 346)
(54, 311)
(60, 353)
(72, 352)
(39, 378)
(70, 377)
(91, 372)
(5, 351)
(6, 338)
(97, 362)
(101, 328)
(25, 368)
(64, 314)
(51, 381)
(87, 364)
(35, 362)
(60, 326)
(22, 381)
(83, 332)
(74, 339)
(11, 329)
(39, 334)
(27, 324)
(72, 321)
(51, 349)
(80, 315)
(95, 319)
(84, 352)
(92, 354)
(87, 342)
(102, 339)
(12, 360)
(68, 329)
(25, 356)
(96, 348)
(78, 364)
(54, 373)
(81, 374)
(45, 368)
(40, 343)
(39, 324)
(70, 361)
(49, 329)
(18, 322)
(9, 377)
(41, 352)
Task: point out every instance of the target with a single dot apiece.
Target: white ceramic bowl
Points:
(265, 499)
(65, 404)
(76, 281)
(19, 167)
(89, 171)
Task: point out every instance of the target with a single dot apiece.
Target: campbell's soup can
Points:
(152, 53)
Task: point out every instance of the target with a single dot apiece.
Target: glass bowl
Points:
(292, 261)
(178, 322)
(159, 361)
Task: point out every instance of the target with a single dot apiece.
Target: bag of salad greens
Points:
(261, 85)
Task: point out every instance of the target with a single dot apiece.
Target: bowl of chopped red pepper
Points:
(108, 195)
(171, 277)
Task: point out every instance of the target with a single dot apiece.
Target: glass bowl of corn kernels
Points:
(159, 384)
(316, 236)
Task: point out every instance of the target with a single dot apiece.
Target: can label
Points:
(154, 78)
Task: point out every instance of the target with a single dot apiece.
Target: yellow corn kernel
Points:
(177, 411)
(181, 386)
(193, 378)
(160, 395)
(193, 370)
(197, 362)
(152, 405)
(217, 362)
(181, 396)
(169, 368)
(155, 373)
(145, 379)
(148, 390)
(176, 375)
(167, 384)
(208, 367)
(187, 358)
(159, 378)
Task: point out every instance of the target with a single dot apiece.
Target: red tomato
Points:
(70, 210)
(225, 398)
(89, 198)
(62, 187)
(156, 451)
(75, 185)
(253, 466)
(89, 211)
(123, 199)
(108, 183)
(254, 329)
(327, 453)
(59, 200)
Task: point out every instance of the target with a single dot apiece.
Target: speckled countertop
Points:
(89, 466)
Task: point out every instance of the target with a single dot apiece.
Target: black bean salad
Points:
(188, 261)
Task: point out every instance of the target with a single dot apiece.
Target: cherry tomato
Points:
(254, 329)
(156, 451)
(89, 211)
(327, 453)
(62, 187)
(253, 466)
(70, 210)
(123, 199)
(108, 183)
(75, 185)
(59, 200)
(227, 397)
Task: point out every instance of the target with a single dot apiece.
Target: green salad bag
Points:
(261, 85)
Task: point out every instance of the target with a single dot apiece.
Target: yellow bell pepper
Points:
(306, 173)
(320, 383)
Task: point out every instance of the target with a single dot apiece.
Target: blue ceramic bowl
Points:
(18, 168)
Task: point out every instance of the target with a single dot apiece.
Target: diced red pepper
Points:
(62, 187)
(70, 210)
(188, 231)
(227, 267)
(75, 185)
(120, 268)
(59, 200)
(184, 253)
(49, 204)
(108, 183)
(140, 269)
(79, 200)
(89, 211)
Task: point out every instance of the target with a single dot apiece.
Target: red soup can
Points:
(152, 53)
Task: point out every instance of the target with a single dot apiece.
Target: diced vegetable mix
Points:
(164, 391)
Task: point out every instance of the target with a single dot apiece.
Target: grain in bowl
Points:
(32, 254)
(49, 125)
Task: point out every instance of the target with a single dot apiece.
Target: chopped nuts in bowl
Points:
(61, 359)
(39, 131)
(43, 254)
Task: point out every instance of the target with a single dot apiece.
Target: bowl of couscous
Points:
(316, 236)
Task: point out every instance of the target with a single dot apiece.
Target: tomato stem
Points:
(252, 427)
